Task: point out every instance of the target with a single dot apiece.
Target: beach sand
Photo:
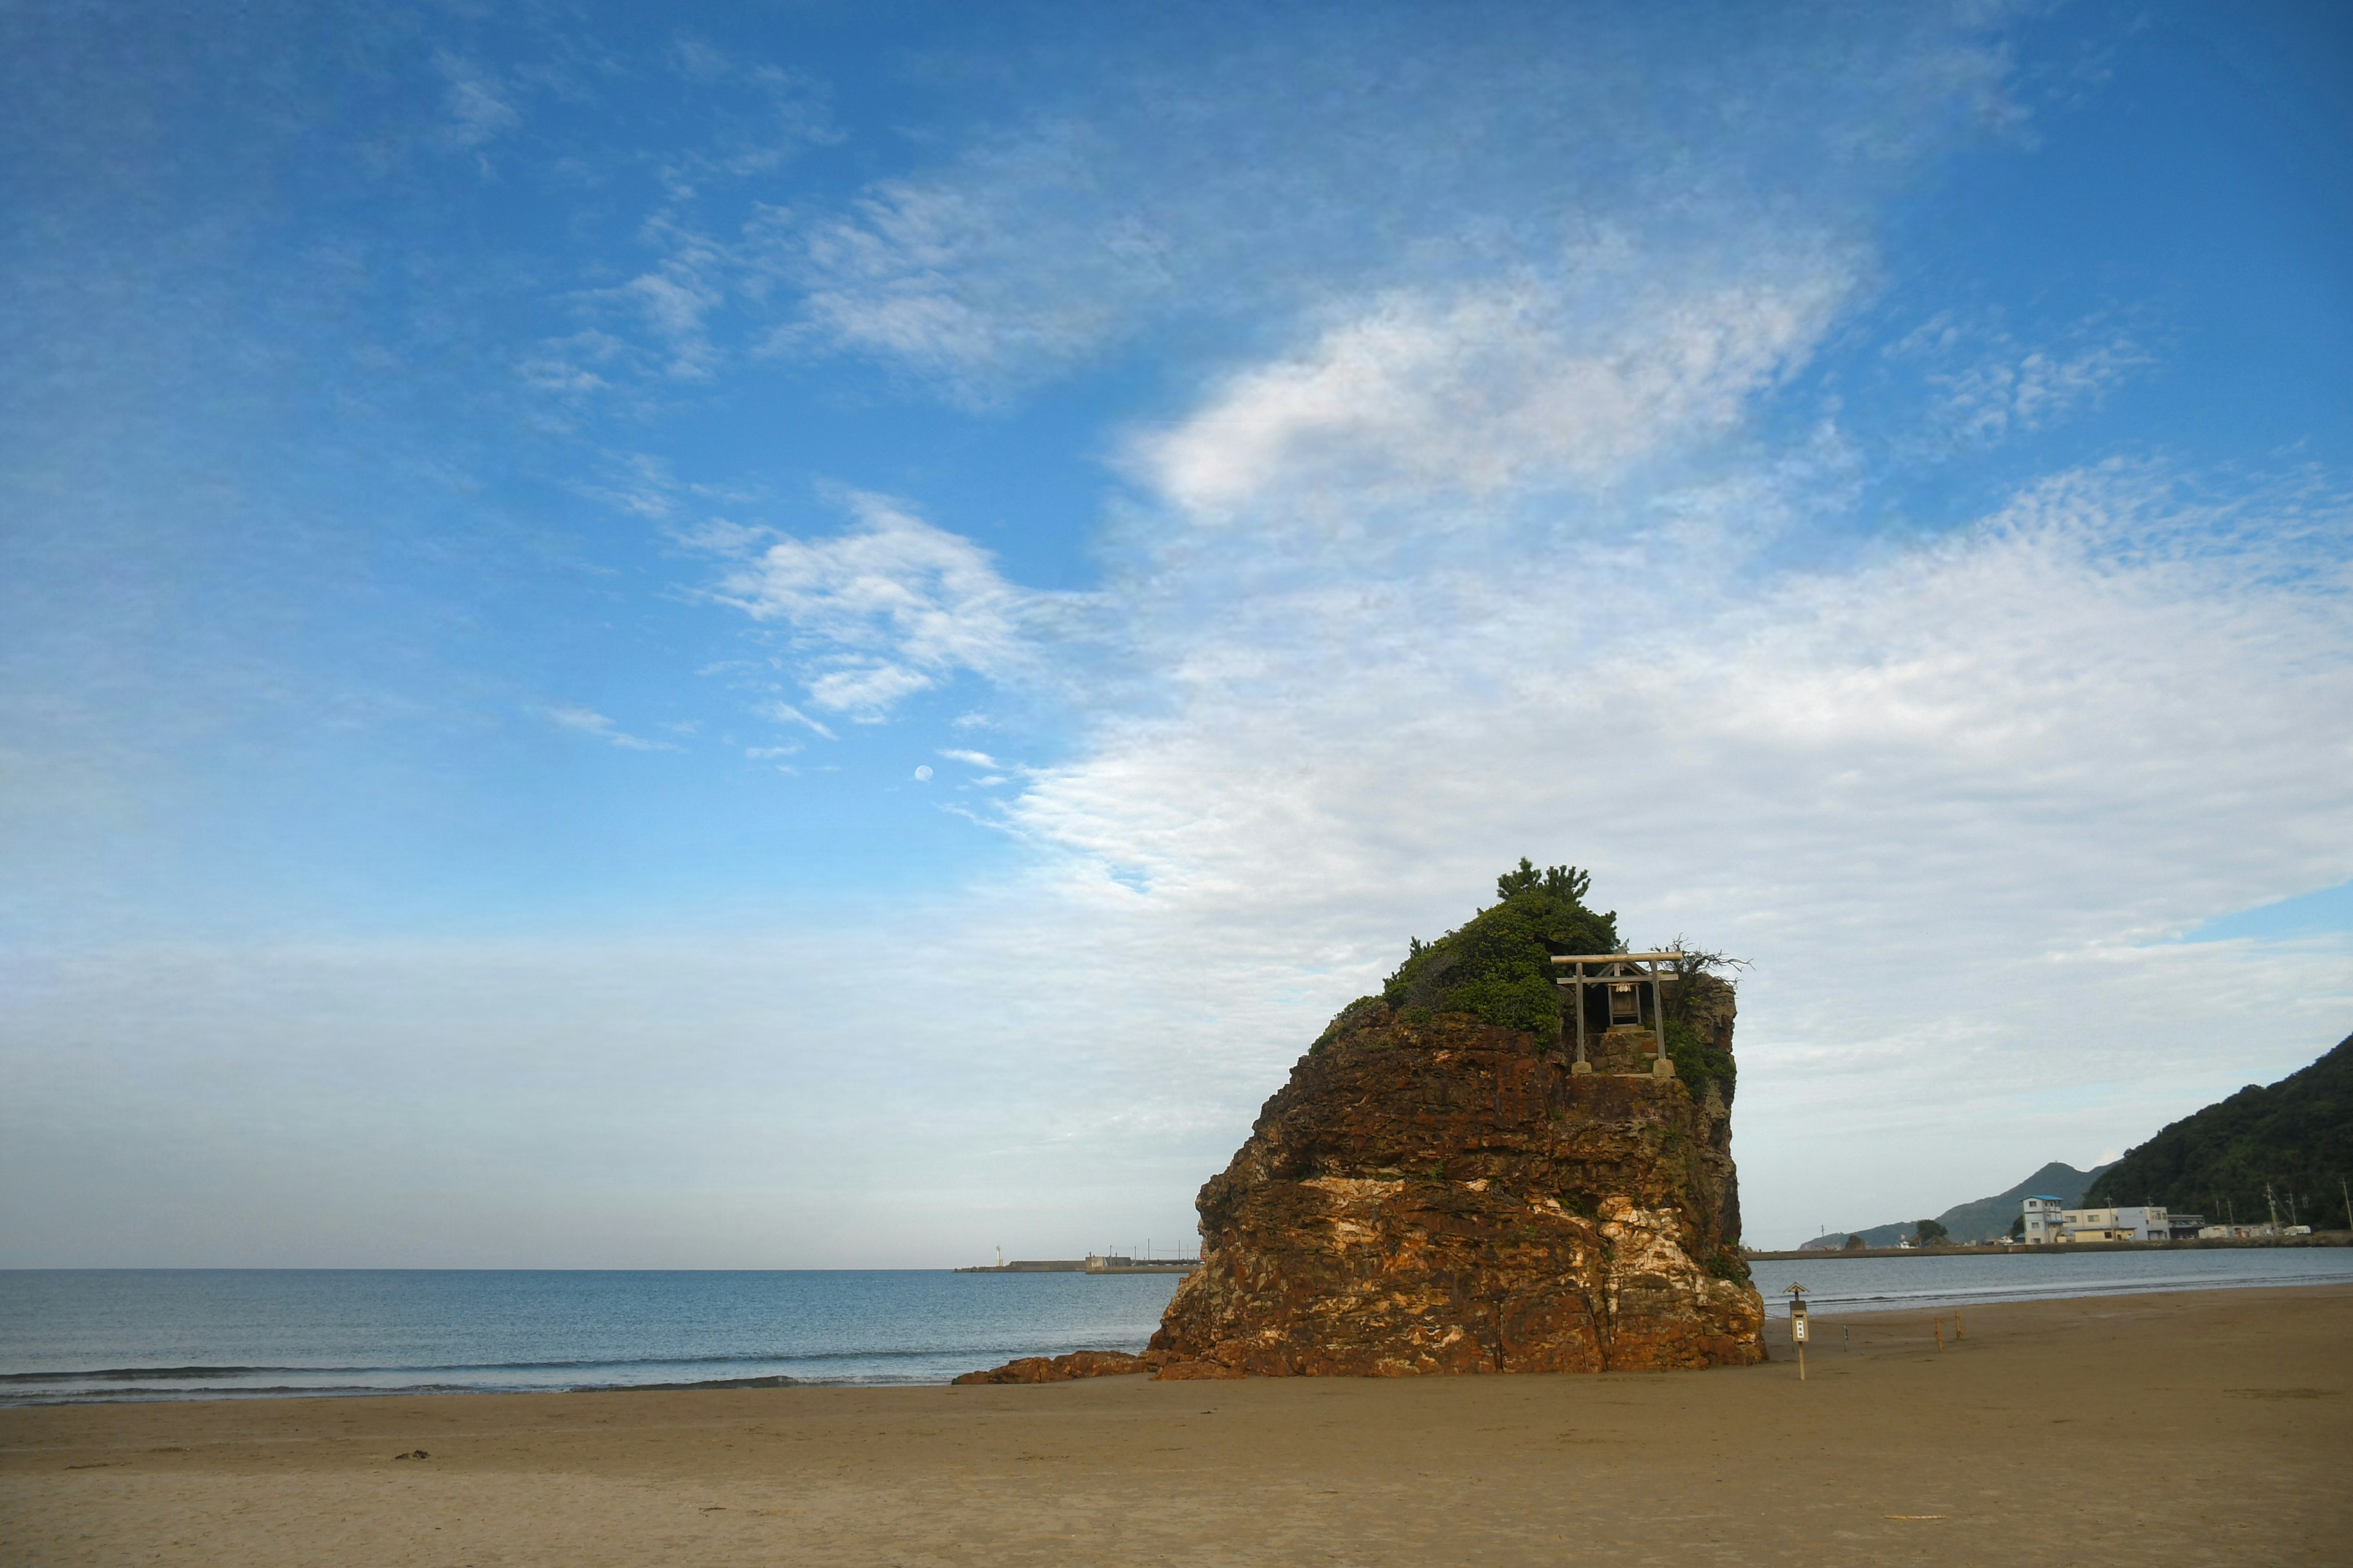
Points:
(2205, 1428)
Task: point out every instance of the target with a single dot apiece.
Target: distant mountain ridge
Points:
(1985, 1219)
(2295, 1135)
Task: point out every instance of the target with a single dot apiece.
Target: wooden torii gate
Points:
(1622, 973)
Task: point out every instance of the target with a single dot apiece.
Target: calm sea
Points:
(116, 1334)
(91, 1335)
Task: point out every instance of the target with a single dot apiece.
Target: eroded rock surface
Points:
(1429, 1194)
(1065, 1368)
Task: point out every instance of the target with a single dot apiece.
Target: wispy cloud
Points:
(589, 722)
(889, 608)
(1225, 198)
(785, 713)
(770, 116)
(957, 281)
(674, 300)
(473, 102)
(1987, 385)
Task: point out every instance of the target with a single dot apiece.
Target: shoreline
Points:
(2322, 1238)
(2193, 1427)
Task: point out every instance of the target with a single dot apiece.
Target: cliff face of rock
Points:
(1433, 1194)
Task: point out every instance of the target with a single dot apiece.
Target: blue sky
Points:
(818, 634)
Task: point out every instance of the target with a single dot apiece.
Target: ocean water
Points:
(122, 1334)
(115, 1334)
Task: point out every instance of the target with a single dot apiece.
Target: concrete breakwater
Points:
(1094, 1263)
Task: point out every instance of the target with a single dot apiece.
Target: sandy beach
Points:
(2207, 1427)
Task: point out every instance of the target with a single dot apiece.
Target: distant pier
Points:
(1094, 1263)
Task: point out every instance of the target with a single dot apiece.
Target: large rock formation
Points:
(1438, 1190)
(1433, 1193)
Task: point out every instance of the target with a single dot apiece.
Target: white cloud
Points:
(889, 608)
(589, 722)
(1955, 804)
(977, 759)
(1528, 384)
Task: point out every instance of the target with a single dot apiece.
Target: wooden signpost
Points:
(1797, 1326)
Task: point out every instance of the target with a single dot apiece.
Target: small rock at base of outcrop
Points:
(1065, 1368)
(414, 1454)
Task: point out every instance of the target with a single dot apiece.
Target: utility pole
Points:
(2272, 1205)
(2346, 1194)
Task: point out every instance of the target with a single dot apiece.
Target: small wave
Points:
(101, 1373)
(132, 1393)
(758, 1358)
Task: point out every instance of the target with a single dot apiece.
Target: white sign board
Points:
(1798, 1328)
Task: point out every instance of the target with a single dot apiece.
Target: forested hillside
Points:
(2297, 1135)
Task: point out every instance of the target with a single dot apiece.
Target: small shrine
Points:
(1605, 993)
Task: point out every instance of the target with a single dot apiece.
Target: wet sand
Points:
(2203, 1427)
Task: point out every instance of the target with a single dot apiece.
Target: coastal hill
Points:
(1983, 1219)
(1437, 1188)
(2297, 1135)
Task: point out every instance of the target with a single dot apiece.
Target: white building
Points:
(2114, 1225)
(2042, 1221)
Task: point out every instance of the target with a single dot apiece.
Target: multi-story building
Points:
(2048, 1220)
(2042, 1220)
(2142, 1224)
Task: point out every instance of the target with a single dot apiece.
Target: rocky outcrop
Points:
(1429, 1194)
(1066, 1368)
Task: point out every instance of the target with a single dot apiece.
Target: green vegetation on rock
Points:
(1698, 1062)
(1497, 965)
(2295, 1135)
